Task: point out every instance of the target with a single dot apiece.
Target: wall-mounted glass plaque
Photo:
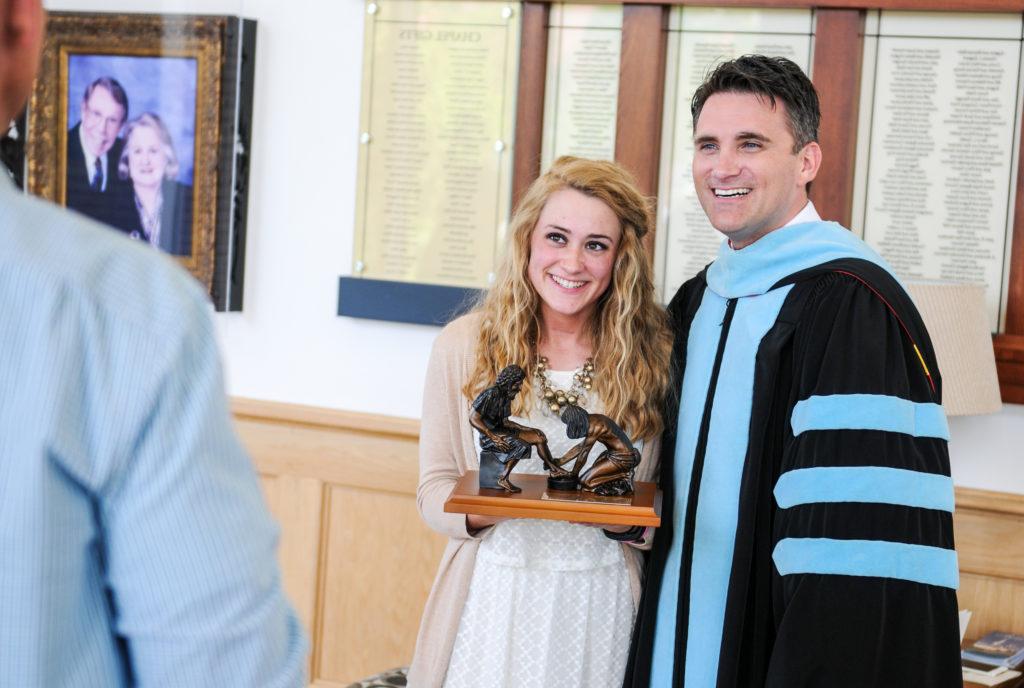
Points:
(700, 38)
(582, 87)
(436, 130)
(938, 131)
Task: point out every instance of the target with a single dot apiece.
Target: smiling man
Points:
(807, 532)
(93, 148)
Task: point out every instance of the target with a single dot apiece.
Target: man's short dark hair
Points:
(115, 89)
(772, 79)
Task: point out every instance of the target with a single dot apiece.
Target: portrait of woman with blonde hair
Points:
(153, 206)
(526, 602)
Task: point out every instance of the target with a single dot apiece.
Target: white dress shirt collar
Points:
(808, 214)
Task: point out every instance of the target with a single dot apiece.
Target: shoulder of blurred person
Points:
(67, 254)
(129, 477)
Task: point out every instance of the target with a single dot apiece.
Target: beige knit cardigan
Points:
(447, 450)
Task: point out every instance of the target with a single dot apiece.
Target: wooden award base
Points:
(643, 508)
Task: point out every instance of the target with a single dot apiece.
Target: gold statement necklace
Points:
(556, 399)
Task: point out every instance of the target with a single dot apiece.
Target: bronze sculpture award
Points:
(604, 493)
(504, 443)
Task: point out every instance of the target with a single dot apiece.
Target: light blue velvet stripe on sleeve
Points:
(868, 484)
(875, 558)
(869, 412)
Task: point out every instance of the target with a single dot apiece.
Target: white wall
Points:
(987, 452)
(288, 345)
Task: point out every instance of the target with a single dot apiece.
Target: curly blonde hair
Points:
(629, 329)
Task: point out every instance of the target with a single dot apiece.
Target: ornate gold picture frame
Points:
(135, 121)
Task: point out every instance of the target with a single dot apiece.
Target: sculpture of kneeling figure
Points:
(612, 472)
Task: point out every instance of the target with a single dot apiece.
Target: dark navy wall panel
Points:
(423, 304)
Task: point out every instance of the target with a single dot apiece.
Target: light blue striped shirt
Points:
(135, 546)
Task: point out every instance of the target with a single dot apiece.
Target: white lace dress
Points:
(549, 603)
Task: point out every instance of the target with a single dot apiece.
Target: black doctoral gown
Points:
(807, 535)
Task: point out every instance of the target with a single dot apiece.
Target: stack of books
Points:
(993, 659)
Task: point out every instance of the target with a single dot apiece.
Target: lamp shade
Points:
(957, 320)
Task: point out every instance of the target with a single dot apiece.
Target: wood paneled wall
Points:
(838, 52)
(356, 559)
(358, 562)
(989, 531)
(641, 94)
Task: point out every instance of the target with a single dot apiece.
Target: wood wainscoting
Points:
(989, 532)
(358, 562)
(356, 559)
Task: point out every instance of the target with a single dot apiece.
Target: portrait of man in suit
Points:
(94, 149)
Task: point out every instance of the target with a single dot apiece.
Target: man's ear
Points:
(21, 20)
(810, 162)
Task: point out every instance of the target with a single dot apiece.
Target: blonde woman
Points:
(526, 602)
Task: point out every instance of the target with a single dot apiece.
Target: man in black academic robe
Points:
(807, 535)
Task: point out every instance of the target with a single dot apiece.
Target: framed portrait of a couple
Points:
(141, 122)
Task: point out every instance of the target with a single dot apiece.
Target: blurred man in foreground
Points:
(135, 546)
